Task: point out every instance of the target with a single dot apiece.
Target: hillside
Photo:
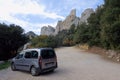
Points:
(68, 22)
(101, 28)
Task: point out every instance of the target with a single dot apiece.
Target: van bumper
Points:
(40, 70)
(48, 69)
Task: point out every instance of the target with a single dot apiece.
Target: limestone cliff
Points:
(66, 24)
(47, 30)
(31, 34)
(85, 15)
(58, 27)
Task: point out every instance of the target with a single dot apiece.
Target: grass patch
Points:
(4, 65)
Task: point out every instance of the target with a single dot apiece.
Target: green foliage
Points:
(60, 37)
(44, 41)
(11, 38)
(115, 35)
(110, 25)
(51, 41)
(81, 34)
(63, 38)
(4, 65)
(94, 28)
(68, 40)
(112, 3)
(69, 37)
(102, 29)
(39, 41)
(72, 29)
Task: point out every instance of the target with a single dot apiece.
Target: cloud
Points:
(18, 11)
(81, 5)
(25, 7)
(10, 8)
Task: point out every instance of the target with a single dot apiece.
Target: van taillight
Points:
(40, 61)
(55, 58)
(56, 61)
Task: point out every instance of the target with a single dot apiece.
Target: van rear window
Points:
(46, 54)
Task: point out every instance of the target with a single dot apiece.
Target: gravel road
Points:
(73, 64)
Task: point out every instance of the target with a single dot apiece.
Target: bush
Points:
(12, 37)
(4, 65)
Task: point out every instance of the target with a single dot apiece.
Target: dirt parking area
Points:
(73, 64)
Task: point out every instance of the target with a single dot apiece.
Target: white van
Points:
(35, 60)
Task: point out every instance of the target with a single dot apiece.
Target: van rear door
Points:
(48, 58)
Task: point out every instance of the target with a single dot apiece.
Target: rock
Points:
(31, 34)
(70, 20)
(58, 27)
(118, 60)
(66, 24)
(47, 30)
(118, 57)
(26, 45)
(73, 12)
(111, 53)
(1, 62)
(85, 15)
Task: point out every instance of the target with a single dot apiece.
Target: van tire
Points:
(52, 70)
(33, 71)
(13, 67)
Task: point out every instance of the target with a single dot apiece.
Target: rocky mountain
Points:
(70, 19)
(31, 34)
(66, 24)
(47, 30)
(58, 27)
(85, 15)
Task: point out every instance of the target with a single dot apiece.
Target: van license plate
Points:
(49, 64)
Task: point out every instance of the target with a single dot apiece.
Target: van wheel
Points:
(13, 67)
(33, 71)
(52, 70)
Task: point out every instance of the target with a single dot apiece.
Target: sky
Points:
(31, 15)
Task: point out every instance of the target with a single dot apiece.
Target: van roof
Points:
(36, 49)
